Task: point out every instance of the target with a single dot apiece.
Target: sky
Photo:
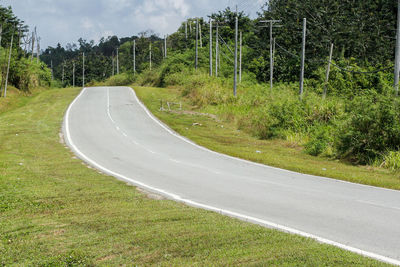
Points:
(65, 21)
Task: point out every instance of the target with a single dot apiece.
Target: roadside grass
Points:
(223, 136)
(16, 98)
(55, 211)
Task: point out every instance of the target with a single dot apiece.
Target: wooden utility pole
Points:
(197, 43)
(8, 66)
(216, 51)
(397, 58)
(303, 55)
(211, 47)
(328, 69)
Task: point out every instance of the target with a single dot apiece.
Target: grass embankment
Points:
(54, 211)
(223, 136)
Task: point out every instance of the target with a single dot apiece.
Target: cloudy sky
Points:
(65, 21)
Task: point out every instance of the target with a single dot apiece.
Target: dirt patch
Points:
(150, 194)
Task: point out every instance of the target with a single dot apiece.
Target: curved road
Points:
(111, 130)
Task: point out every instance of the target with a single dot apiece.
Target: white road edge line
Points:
(208, 207)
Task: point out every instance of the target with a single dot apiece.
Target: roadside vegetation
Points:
(357, 128)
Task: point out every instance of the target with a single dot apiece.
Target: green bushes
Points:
(355, 81)
(371, 127)
(24, 73)
(120, 79)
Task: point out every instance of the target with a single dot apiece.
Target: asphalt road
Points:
(110, 129)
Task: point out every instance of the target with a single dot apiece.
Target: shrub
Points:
(320, 140)
(348, 84)
(372, 128)
(120, 80)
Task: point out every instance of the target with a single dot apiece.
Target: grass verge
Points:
(223, 136)
(54, 211)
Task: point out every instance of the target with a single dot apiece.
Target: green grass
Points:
(223, 136)
(55, 211)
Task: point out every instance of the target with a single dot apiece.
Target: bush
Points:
(120, 80)
(372, 128)
(26, 74)
(149, 78)
(320, 140)
(349, 84)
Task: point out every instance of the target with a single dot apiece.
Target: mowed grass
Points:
(223, 136)
(55, 211)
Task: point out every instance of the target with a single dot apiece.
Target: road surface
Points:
(111, 130)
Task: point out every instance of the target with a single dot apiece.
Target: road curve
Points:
(111, 130)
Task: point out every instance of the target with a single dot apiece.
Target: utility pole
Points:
(83, 70)
(240, 58)
(236, 54)
(328, 69)
(165, 46)
(73, 75)
(38, 50)
(271, 60)
(217, 51)
(197, 43)
(211, 47)
(8, 67)
(303, 55)
(113, 64)
(33, 44)
(150, 55)
(397, 58)
(117, 60)
(201, 42)
(134, 56)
